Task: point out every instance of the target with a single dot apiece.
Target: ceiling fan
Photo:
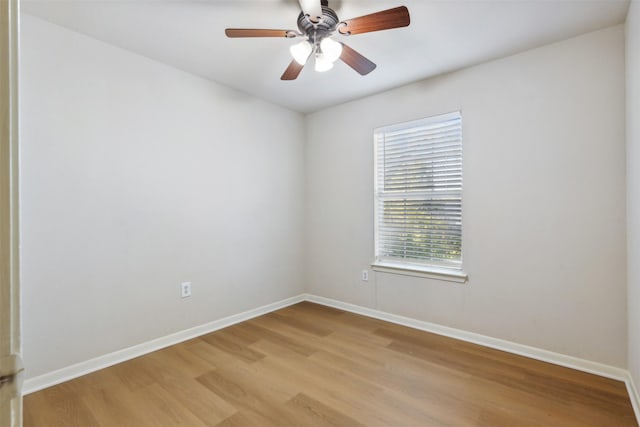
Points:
(317, 23)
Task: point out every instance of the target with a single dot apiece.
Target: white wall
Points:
(544, 199)
(136, 177)
(633, 185)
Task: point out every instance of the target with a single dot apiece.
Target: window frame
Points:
(452, 272)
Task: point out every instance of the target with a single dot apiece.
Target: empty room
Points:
(320, 213)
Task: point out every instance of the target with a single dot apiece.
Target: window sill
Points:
(421, 271)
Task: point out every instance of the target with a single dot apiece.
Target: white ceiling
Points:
(444, 35)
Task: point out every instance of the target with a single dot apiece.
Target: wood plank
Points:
(231, 343)
(284, 340)
(58, 411)
(261, 408)
(202, 402)
(301, 324)
(312, 412)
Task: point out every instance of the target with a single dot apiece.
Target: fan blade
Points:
(293, 71)
(356, 61)
(251, 32)
(313, 8)
(384, 20)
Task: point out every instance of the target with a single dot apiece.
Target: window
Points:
(418, 197)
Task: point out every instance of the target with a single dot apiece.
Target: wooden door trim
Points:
(10, 345)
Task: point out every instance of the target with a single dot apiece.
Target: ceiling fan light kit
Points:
(322, 64)
(317, 30)
(301, 51)
(331, 49)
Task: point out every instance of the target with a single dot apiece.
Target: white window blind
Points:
(418, 192)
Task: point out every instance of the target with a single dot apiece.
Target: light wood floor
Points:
(309, 365)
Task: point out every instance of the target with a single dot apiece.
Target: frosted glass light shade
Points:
(322, 64)
(301, 51)
(331, 49)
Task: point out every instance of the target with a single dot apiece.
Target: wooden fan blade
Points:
(251, 32)
(313, 8)
(356, 61)
(384, 20)
(293, 71)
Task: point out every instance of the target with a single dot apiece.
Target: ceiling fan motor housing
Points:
(316, 31)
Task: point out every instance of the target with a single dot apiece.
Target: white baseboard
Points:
(74, 371)
(508, 346)
(633, 395)
(70, 372)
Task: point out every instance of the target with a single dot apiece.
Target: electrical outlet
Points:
(185, 289)
(365, 275)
